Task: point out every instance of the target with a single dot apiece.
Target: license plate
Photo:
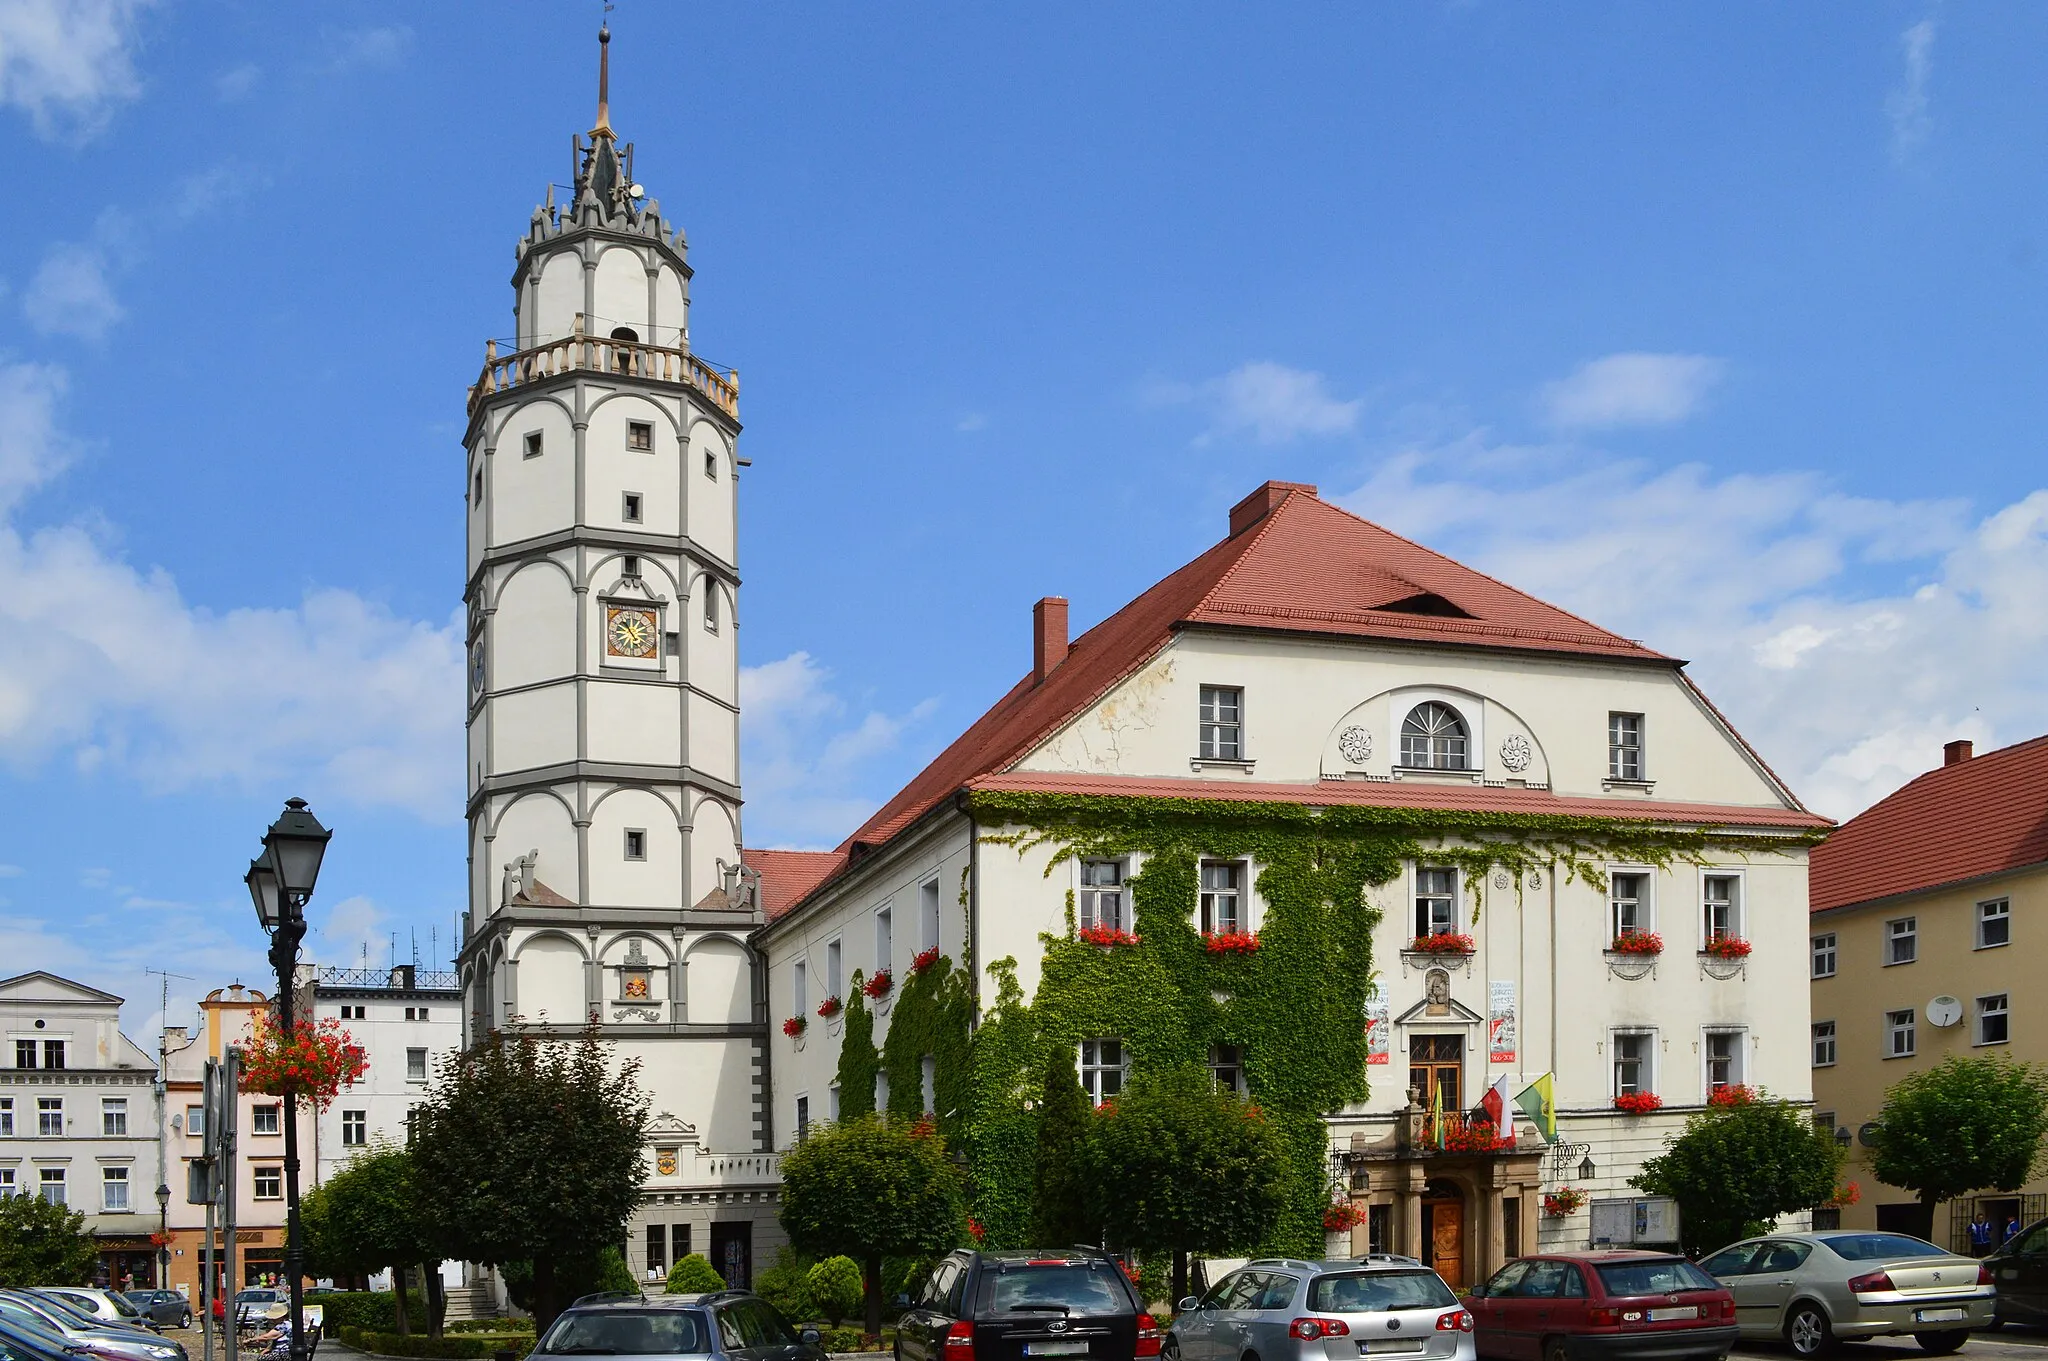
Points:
(1660, 1315)
(1073, 1347)
(1940, 1315)
(1382, 1346)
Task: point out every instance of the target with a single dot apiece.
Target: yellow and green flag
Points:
(1436, 1113)
(1538, 1101)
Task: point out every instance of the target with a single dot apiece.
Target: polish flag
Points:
(1495, 1104)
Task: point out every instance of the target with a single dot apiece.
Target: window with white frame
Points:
(1628, 901)
(1102, 895)
(1723, 1053)
(1994, 1019)
(710, 608)
(53, 1053)
(1222, 897)
(1634, 1054)
(928, 914)
(1624, 746)
(885, 939)
(269, 1183)
(113, 1116)
(1824, 955)
(6, 1117)
(7, 1183)
(1901, 941)
(1102, 1069)
(799, 988)
(355, 1129)
(114, 1189)
(415, 1065)
(1994, 923)
(195, 1121)
(53, 1187)
(1898, 1034)
(834, 962)
(1721, 907)
(1824, 1048)
(1434, 737)
(1222, 734)
(803, 1118)
(49, 1116)
(1226, 1066)
(1436, 901)
(266, 1119)
(832, 1102)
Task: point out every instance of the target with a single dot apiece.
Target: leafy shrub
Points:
(373, 1310)
(846, 1340)
(490, 1325)
(835, 1287)
(784, 1286)
(693, 1275)
(456, 1347)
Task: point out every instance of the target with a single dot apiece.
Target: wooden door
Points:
(1443, 1228)
(1434, 1065)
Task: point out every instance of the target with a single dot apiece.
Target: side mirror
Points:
(810, 1337)
(1188, 1305)
(1477, 1292)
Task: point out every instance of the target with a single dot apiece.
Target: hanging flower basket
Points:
(1342, 1216)
(317, 1060)
(1848, 1193)
(1108, 937)
(161, 1239)
(1564, 1201)
(878, 986)
(924, 959)
(795, 1026)
(1443, 943)
(829, 1007)
(1230, 942)
(1728, 947)
(1638, 1103)
(975, 1229)
(1637, 943)
(1734, 1094)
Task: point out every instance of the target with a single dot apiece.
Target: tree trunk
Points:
(1180, 1278)
(544, 1306)
(398, 1299)
(871, 1272)
(437, 1297)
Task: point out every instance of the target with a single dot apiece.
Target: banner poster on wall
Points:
(1500, 1020)
(1376, 1026)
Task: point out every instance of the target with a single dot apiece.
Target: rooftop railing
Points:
(604, 354)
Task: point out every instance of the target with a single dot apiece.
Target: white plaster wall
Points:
(635, 721)
(620, 298)
(532, 633)
(537, 821)
(719, 987)
(532, 728)
(618, 882)
(611, 468)
(714, 733)
(384, 1094)
(551, 979)
(560, 295)
(671, 307)
(707, 1082)
(532, 496)
(713, 837)
(711, 500)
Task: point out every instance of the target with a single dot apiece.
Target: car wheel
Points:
(1171, 1351)
(1554, 1349)
(1809, 1332)
(185, 1321)
(1944, 1342)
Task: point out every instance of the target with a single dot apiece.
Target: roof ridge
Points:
(1263, 527)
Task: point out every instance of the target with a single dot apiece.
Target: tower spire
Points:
(603, 126)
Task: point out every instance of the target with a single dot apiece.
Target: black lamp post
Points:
(163, 1228)
(280, 881)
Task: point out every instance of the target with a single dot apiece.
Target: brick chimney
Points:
(1262, 502)
(1048, 636)
(1956, 752)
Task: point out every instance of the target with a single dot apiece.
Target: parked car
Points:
(1815, 1289)
(2020, 1271)
(108, 1306)
(26, 1309)
(727, 1325)
(165, 1307)
(1277, 1308)
(1004, 1306)
(1579, 1306)
(20, 1343)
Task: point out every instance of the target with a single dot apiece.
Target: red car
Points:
(1602, 1306)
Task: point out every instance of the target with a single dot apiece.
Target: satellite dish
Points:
(1944, 1011)
(636, 191)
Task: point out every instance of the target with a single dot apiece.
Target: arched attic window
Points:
(1434, 737)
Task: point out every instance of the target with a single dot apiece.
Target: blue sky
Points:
(1721, 324)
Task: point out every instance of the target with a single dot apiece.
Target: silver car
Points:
(102, 1340)
(1280, 1309)
(1815, 1289)
(104, 1305)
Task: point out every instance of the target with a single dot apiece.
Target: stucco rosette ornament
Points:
(1516, 753)
(1354, 744)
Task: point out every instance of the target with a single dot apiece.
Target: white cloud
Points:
(67, 62)
(1846, 637)
(213, 189)
(1907, 104)
(237, 82)
(355, 929)
(1271, 402)
(1631, 389)
(971, 422)
(10, 871)
(71, 294)
(375, 48)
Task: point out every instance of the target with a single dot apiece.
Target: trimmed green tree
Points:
(786, 1285)
(868, 1189)
(368, 1217)
(1734, 1169)
(693, 1274)
(1175, 1166)
(835, 1287)
(531, 1150)
(42, 1243)
(1059, 1197)
(1963, 1125)
(859, 1060)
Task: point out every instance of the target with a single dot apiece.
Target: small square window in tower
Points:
(636, 974)
(630, 511)
(636, 843)
(532, 446)
(710, 608)
(640, 436)
(711, 465)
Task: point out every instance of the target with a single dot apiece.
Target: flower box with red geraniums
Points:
(1638, 1103)
(829, 1008)
(1476, 1136)
(1342, 1217)
(1637, 943)
(795, 1026)
(1230, 942)
(1728, 947)
(924, 959)
(316, 1060)
(1443, 943)
(1565, 1200)
(1108, 937)
(1734, 1094)
(878, 986)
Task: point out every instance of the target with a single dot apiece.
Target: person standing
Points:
(1980, 1235)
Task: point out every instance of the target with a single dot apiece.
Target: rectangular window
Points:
(1724, 1059)
(1102, 895)
(928, 913)
(1993, 1020)
(353, 1013)
(631, 509)
(1994, 923)
(1824, 1051)
(1824, 1120)
(266, 1119)
(1222, 723)
(799, 991)
(1226, 1065)
(885, 939)
(1901, 941)
(533, 444)
(710, 608)
(1898, 1027)
(415, 1065)
(53, 1053)
(50, 1116)
(629, 566)
(1379, 1227)
(1222, 901)
(6, 1117)
(803, 1118)
(195, 1121)
(114, 1188)
(1824, 955)
(640, 436)
(7, 1186)
(1102, 1069)
(1628, 898)
(1632, 1053)
(1721, 907)
(24, 1053)
(113, 1117)
(1436, 901)
(636, 843)
(270, 1183)
(53, 1186)
(355, 1129)
(832, 1102)
(657, 1250)
(1624, 746)
(928, 1082)
(477, 495)
(711, 464)
(835, 979)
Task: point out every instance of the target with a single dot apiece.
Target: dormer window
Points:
(1434, 737)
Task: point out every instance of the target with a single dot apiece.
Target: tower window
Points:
(632, 508)
(477, 498)
(636, 843)
(710, 607)
(711, 465)
(532, 446)
(629, 566)
(640, 436)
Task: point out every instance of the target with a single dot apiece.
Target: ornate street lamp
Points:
(280, 882)
(1586, 1169)
(163, 1227)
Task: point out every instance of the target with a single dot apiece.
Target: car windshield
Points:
(256, 1297)
(1654, 1278)
(21, 1323)
(121, 1306)
(1077, 1287)
(1366, 1292)
(1878, 1247)
(625, 1332)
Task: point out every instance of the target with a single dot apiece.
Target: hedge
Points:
(376, 1310)
(454, 1347)
(491, 1325)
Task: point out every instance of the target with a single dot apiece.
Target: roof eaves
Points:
(1922, 890)
(1784, 790)
(949, 801)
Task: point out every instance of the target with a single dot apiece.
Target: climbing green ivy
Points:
(932, 1015)
(859, 1060)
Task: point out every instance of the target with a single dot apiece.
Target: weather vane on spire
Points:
(604, 79)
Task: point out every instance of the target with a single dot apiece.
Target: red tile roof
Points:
(788, 875)
(1977, 817)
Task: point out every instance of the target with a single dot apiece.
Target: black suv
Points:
(1024, 1305)
(723, 1325)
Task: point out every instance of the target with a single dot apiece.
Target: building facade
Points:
(1921, 949)
(78, 1117)
(606, 884)
(1359, 829)
(407, 1019)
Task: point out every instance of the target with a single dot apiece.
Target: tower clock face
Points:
(476, 667)
(629, 633)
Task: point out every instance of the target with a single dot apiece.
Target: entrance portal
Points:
(1443, 1231)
